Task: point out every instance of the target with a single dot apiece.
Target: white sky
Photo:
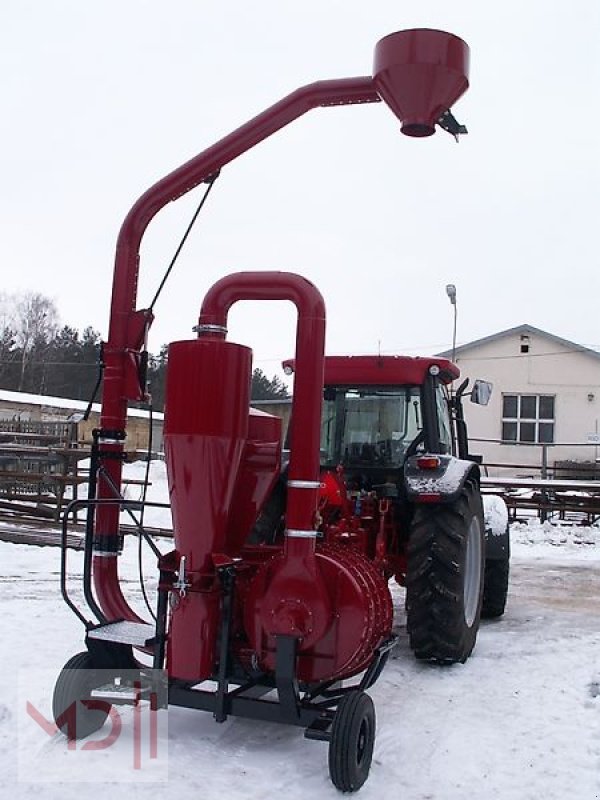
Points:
(102, 99)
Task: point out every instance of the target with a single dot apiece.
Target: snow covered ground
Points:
(519, 721)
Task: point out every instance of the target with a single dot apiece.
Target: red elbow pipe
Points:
(303, 473)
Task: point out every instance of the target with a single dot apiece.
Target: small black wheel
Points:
(352, 740)
(495, 587)
(77, 715)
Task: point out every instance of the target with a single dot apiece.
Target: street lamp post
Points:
(451, 292)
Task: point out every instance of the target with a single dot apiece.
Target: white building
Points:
(546, 392)
(19, 406)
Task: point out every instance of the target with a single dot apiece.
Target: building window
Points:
(528, 418)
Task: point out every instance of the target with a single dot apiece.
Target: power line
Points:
(524, 355)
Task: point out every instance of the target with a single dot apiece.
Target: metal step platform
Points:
(136, 634)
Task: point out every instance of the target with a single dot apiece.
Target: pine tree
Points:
(264, 389)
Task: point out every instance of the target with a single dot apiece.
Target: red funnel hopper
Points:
(420, 74)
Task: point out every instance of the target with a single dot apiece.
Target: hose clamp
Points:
(297, 484)
(107, 545)
(207, 328)
(295, 534)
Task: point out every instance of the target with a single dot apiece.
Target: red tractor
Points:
(274, 603)
(399, 485)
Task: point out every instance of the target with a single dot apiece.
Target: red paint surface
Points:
(308, 388)
(420, 74)
(259, 469)
(382, 370)
(129, 326)
(125, 334)
(333, 600)
(339, 624)
(206, 426)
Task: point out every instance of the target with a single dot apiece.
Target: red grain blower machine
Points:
(267, 631)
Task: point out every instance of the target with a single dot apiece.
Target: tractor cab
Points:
(379, 410)
(370, 427)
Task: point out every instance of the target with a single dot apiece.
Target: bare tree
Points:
(34, 323)
(7, 309)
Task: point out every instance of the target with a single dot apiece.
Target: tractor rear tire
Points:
(352, 741)
(495, 587)
(75, 713)
(445, 577)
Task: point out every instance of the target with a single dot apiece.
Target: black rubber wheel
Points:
(495, 587)
(445, 576)
(74, 713)
(352, 741)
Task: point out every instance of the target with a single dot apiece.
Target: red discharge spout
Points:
(420, 74)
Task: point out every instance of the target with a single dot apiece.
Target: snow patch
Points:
(447, 483)
(535, 669)
(570, 541)
(495, 514)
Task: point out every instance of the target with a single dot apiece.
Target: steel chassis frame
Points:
(311, 706)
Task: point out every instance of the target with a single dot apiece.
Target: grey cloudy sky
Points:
(101, 99)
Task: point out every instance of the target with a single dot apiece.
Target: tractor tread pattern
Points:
(434, 583)
(495, 588)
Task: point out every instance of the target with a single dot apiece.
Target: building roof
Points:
(65, 403)
(522, 330)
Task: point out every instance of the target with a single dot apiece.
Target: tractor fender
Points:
(497, 540)
(441, 483)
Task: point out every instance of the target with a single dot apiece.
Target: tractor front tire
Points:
(352, 741)
(75, 713)
(495, 589)
(445, 578)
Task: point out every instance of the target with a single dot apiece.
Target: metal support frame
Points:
(227, 578)
(290, 708)
(90, 505)
(162, 607)
(286, 655)
(312, 707)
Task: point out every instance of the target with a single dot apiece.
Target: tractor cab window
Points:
(369, 426)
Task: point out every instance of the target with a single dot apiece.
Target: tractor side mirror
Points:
(481, 392)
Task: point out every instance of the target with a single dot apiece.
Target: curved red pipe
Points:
(308, 384)
(128, 327)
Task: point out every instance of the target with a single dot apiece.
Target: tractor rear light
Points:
(428, 497)
(428, 462)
